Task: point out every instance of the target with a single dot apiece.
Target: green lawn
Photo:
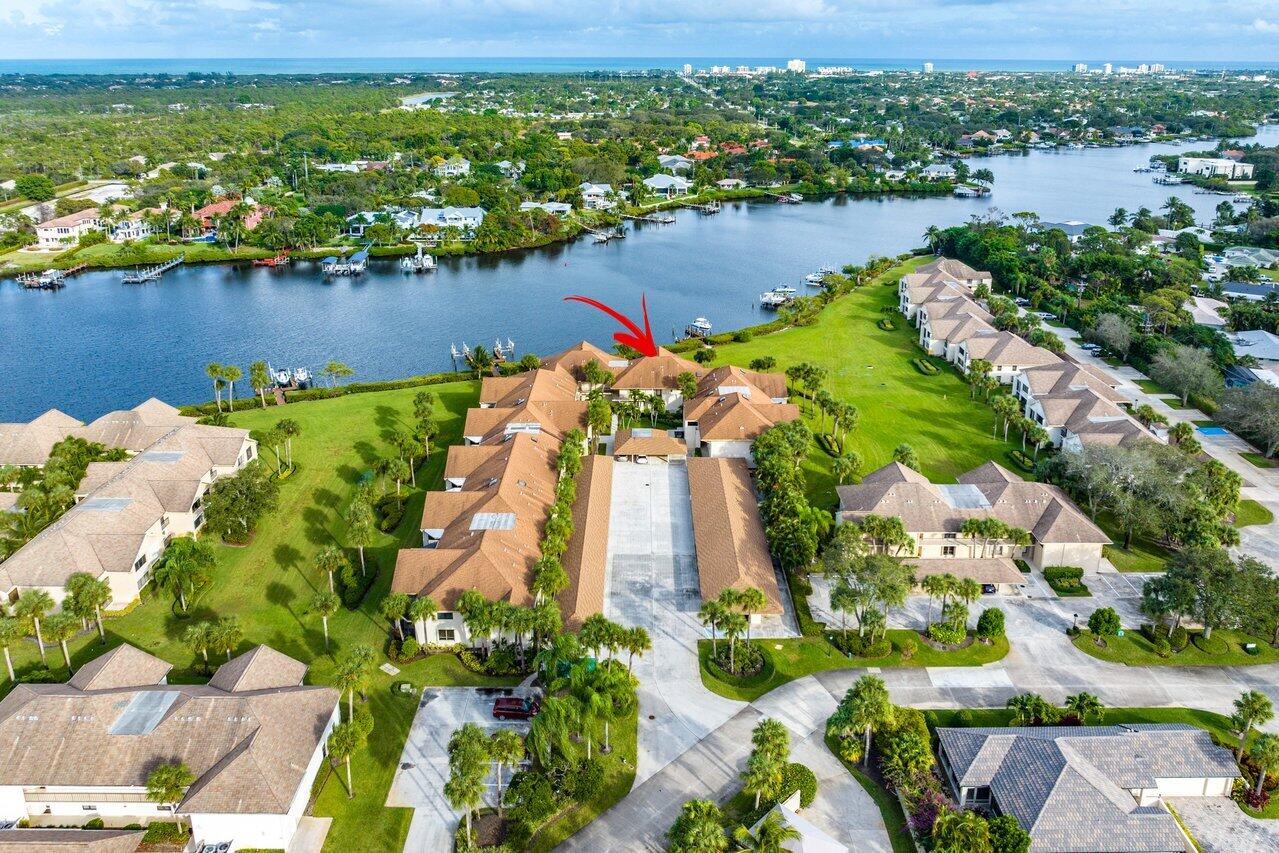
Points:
(1260, 460)
(619, 776)
(1143, 555)
(269, 583)
(1217, 725)
(1150, 386)
(890, 808)
(801, 656)
(1133, 649)
(1251, 512)
(872, 369)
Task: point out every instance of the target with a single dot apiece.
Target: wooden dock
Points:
(651, 217)
(145, 274)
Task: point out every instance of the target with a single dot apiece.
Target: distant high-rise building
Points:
(688, 68)
(928, 68)
(1081, 67)
(1107, 68)
(1143, 68)
(1156, 68)
(799, 66)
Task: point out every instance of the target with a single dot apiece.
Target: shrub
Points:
(1104, 622)
(1021, 460)
(164, 832)
(907, 646)
(886, 324)
(855, 645)
(530, 797)
(410, 648)
(850, 749)
(990, 624)
(1066, 580)
(949, 633)
(798, 777)
(763, 364)
(389, 511)
(502, 660)
(746, 659)
(1213, 645)
(925, 366)
(743, 336)
(584, 780)
(1162, 647)
(95, 823)
(1180, 638)
(38, 675)
(705, 355)
(470, 660)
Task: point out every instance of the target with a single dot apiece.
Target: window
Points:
(950, 535)
(140, 562)
(444, 615)
(948, 550)
(446, 635)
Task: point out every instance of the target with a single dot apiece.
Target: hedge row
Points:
(322, 393)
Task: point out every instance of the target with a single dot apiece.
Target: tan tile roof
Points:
(555, 417)
(728, 532)
(982, 570)
(134, 429)
(1064, 376)
(989, 491)
(586, 559)
(534, 386)
(1005, 348)
(71, 840)
(951, 302)
(930, 293)
(31, 443)
(660, 372)
(575, 358)
(953, 268)
(261, 668)
(734, 417)
(760, 387)
(249, 751)
(648, 442)
(123, 666)
(958, 328)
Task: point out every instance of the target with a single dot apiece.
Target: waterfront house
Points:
(404, 220)
(210, 215)
(1073, 228)
(669, 186)
(1215, 167)
(466, 220)
(657, 375)
(558, 208)
(1087, 787)
(66, 230)
(254, 737)
(938, 172)
(932, 513)
(454, 167)
(28, 445)
(597, 196)
(125, 513)
(134, 226)
(731, 184)
(957, 271)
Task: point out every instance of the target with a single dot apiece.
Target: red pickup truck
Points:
(515, 708)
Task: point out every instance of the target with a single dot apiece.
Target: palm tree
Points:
(260, 379)
(711, 615)
(1251, 708)
(552, 728)
(398, 470)
(637, 643)
(352, 672)
(846, 466)
(167, 784)
(10, 632)
(92, 594)
(769, 836)
(336, 370)
(422, 609)
(932, 234)
(699, 829)
(936, 586)
(506, 748)
(185, 566)
(200, 637)
(227, 634)
(232, 375)
(392, 608)
(360, 527)
(868, 708)
(1265, 751)
(289, 429)
(325, 604)
(749, 601)
(344, 740)
(733, 624)
(1083, 706)
(61, 627)
(961, 830)
(31, 607)
(330, 560)
(764, 774)
(214, 371)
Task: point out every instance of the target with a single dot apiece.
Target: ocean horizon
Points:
(515, 65)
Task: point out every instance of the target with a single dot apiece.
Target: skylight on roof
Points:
(493, 521)
(964, 496)
(144, 712)
(642, 432)
(515, 427)
(106, 504)
(162, 455)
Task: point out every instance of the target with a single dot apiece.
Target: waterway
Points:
(99, 344)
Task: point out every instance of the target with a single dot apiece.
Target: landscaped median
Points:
(788, 659)
(1143, 648)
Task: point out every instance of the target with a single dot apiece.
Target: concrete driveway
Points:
(652, 581)
(1220, 827)
(424, 764)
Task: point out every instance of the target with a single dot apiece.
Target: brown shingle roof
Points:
(575, 358)
(535, 386)
(586, 559)
(982, 570)
(261, 668)
(989, 491)
(31, 443)
(249, 751)
(123, 666)
(555, 418)
(727, 530)
(1063, 377)
(134, 429)
(1006, 348)
(759, 387)
(71, 840)
(953, 268)
(736, 418)
(647, 442)
(659, 372)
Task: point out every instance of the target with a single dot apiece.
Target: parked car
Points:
(515, 708)
(988, 589)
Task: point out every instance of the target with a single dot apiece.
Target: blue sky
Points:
(979, 29)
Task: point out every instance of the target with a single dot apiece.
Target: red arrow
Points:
(640, 341)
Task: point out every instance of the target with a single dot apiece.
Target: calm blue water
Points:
(393, 65)
(100, 344)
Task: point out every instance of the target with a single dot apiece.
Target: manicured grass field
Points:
(1150, 386)
(619, 775)
(268, 585)
(801, 656)
(1251, 512)
(1143, 555)
(872, 369)
(1260, 460)
(1133, 649)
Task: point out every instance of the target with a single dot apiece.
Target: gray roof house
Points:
(1087, 788)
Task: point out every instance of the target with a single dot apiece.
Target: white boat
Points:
(281, 377)
(601, 237)
(418, 263)
(777, 297)
(814, 278)
(699, 328)
(826, 270)
(301, 377)
(785, 290)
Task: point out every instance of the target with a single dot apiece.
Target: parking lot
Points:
(424, 763)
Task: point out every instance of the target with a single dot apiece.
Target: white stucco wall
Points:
(1086, 556)
(737, 449)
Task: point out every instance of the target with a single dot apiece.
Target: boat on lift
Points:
(420, 262)
(815, 278)
(302, 377)
(777, 297)
(699, 328)
(826, 271)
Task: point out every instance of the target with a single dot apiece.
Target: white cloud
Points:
(1261, 25)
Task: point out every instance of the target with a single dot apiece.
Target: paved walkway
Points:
(1220, 827)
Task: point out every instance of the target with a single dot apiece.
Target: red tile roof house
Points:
(209, 215)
